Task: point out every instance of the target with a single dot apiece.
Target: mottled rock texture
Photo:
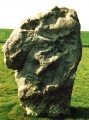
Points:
(44, 52)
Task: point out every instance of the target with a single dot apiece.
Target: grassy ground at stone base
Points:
(10, 108)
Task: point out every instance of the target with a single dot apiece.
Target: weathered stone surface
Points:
(45, 51)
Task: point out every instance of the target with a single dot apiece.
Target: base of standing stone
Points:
(49, 104)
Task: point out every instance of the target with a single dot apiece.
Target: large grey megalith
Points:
(45, 52)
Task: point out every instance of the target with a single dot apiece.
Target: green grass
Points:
(4, 34)
(85, 37)
(9, 102)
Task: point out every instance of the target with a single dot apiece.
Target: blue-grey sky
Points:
(12, 12)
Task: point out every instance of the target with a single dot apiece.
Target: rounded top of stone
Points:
(60, 20)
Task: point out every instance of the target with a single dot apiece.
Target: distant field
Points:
(85, 37)
(5, 33)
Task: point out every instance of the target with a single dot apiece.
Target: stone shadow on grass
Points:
(80, 113)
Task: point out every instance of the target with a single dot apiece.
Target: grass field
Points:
(4, 34)
(85, 37)
(9, 103)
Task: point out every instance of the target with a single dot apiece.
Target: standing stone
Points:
(44, 52)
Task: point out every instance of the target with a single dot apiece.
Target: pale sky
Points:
(12, 12)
